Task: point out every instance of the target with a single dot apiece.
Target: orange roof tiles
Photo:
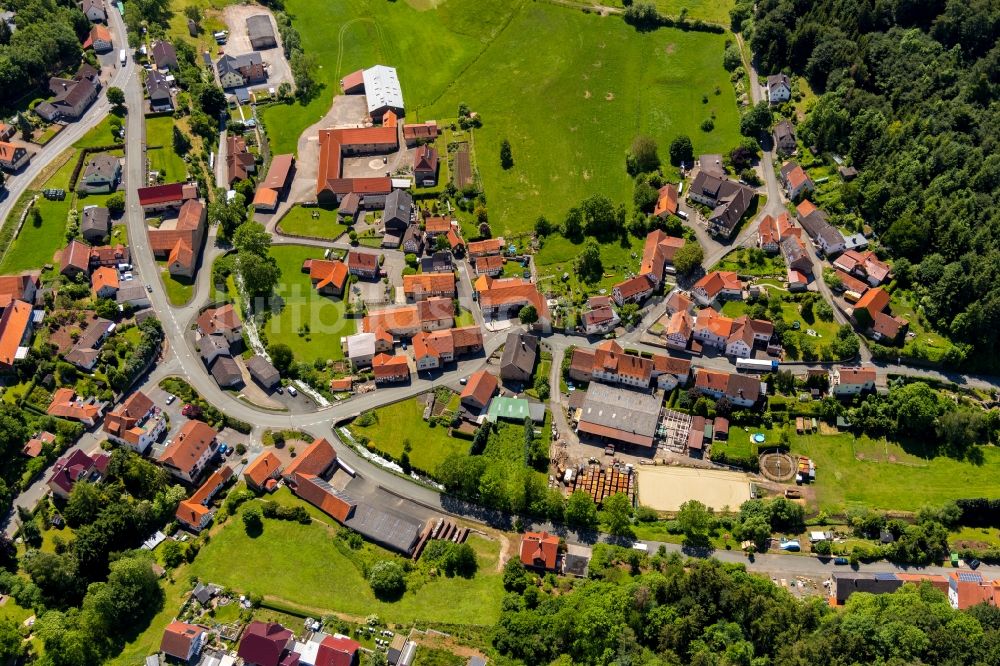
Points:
(857, 375)
(666, 202)
(65, 404)
(385, 366)
(104, 277)
(539, 549)
(325, 273)
(634, 286)
(263, 468)
(484, 247)
(437, 225)
(311, 489)
(191, 442)
(717, 281)
(315, 460)
(480, 388)
(443, 283)
(874, 301)
(712, 380)
(331, 144)
(14, 325)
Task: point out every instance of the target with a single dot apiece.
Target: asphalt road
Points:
(18, 183)
(322, 422)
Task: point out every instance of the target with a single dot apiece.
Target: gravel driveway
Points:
(235, 16)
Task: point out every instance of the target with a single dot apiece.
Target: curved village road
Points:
(18, 183)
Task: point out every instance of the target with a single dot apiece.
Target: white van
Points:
(292, 391)
(123, 56)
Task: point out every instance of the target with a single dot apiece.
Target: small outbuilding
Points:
(261, 32)
(263, 372)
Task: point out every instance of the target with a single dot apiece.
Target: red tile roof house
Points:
(427, 285)
(181, 245)
(15, 333)
(479, 390)
(485, 247)
(135, 423)
(503, 299)
(848, 381)
(182, 641)
(795, 180)
(600, 320)
(275, 183)
(425, 165)
(224, 321)
(390, 369)
(329, 277)
(190, 451)
(633, 290)
(77, 466)
(267, 644)
(491, 265)
(267, 466)
(317, 458)
(337, 651)
(163, 197)
(741, 390)
(721, 285)
(363, 264)
(773, 230)
(658, 253)
(33, 447)
(331, 185)
(540, 550)
(67, 405)
(194, 512)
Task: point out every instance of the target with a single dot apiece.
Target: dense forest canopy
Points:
(910, 97)
(661, 610)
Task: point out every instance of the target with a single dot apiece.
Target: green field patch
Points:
(570, 91)
(100, 135)
(879, 474)
(160, 149)
(310, 323)
(925, 343)
(711, 11)
(307, 566)
(403, 421)
(314, 221)
(823, 335)
(179, 290)
(752, 261)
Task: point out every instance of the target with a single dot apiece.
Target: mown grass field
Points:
(404, 421)
(160, 143)
(882, 475)
(302, 564)
(825, 331)
(711, 11)
(309, 323)
(318, 222)
(569, 90)
(429, 48)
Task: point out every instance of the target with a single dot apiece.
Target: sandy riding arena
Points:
(666, 488)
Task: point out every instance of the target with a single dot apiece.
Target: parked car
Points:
(840, 560)
(292, 392)
(170, 398)
(463, 381)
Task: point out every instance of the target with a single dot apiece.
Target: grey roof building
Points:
(261, 32)
(519, 354)
(213, 346)
(398, 211)
(263, 372)
(226, 372)
(620, 414)
(164, 55)
(95, 223)
(158, 89)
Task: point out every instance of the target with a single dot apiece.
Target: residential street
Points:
(18, 183)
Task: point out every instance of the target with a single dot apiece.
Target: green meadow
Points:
(569, 90)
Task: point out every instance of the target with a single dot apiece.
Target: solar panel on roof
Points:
(969, 577)
(885, 576)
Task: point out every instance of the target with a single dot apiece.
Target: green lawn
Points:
(309, 323)
(579, 88)
(36, 246)
(303, 565)
(100, 135)
(752, 262)
(825, 331)
(558, 254)
(926, 343)
(318, 222)
(353, 34)
(464, 318)
(179, 290)
(711, 11)
(569, 90)
(404, 420)
(160, 150)
(887, 477)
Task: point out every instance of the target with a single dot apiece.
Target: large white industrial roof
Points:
(382, 88)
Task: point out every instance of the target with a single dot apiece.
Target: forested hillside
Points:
(46, 41)
(657, 611)
(910, 97)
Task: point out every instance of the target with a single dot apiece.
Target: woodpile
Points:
(600, 483)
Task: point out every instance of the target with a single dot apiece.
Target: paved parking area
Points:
(235, 16)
